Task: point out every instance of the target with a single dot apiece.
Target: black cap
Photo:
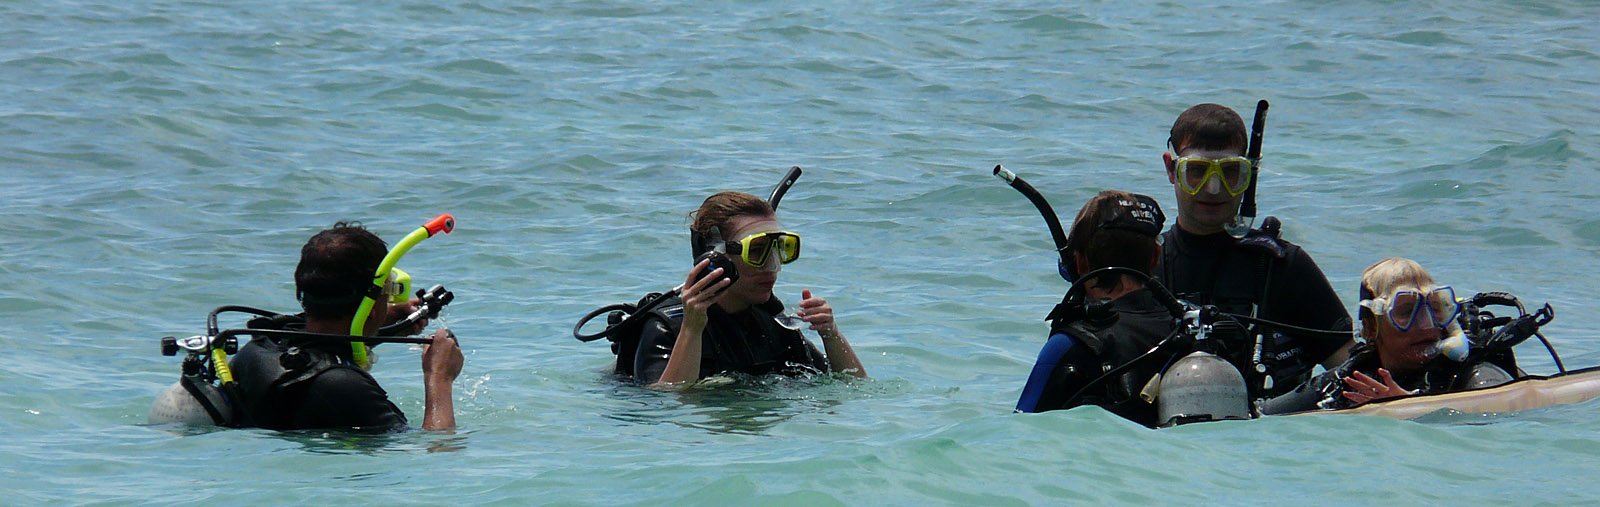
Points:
(1140, 214)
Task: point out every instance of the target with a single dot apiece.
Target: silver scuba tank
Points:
(1201, 387)
(176, 405)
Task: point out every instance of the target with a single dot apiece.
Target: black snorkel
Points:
(1064, 264)
(623, 314)
(783, 187)
(1067, 268)
(1240, 226)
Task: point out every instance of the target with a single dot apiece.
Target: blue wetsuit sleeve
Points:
(1049, 357)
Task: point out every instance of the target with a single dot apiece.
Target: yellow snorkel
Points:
(358, 324)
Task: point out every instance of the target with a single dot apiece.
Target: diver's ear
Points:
(1081, 261)
(1172, 174)
(1369, 330)
(1155, 259)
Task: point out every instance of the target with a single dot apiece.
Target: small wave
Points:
(1425, 38)
(477, 65)
(445, 112)
(149, 58)
(1052, 23)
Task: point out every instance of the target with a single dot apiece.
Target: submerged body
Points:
(1326, 391)
(1526, 393)
(1079, 353)
(290, 386)
(749, 342)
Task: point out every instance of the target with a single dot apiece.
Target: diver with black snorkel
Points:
(1115, 230)
(1120, 340)
(1212, 256)
(309, 371)
(725, 317)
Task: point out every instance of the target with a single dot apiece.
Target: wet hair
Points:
(1383, 279)
(719, 210)
(1106, 240)
(336, 269)
(1208, 127)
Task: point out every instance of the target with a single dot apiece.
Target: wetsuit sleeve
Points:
(1310, 301)
(1301, 399)
(1048, 386)
(655, 348)
(812, 356)
(343, 397)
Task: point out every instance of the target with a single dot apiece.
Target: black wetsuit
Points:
(1326, 390)
(1080, 352)
(289, 386)
(748, 342)
(1262, 276)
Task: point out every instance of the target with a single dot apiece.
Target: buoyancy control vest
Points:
(1114, 333)
(625, 340)
(1237, 277)
(272, 373)
(749, 342)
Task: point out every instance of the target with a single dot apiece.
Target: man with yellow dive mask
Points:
(1211, 256)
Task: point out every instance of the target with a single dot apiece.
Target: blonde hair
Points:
(1382, 280)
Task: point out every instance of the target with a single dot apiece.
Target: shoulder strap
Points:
(625, 343)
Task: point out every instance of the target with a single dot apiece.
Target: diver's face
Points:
(1207, 211)
(755, 284)
(1405, 351)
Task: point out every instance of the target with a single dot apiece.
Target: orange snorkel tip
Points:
(444, 223)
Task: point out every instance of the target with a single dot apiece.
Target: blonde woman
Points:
(1404, 316)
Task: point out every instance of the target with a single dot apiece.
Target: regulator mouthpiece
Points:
(1456, 347)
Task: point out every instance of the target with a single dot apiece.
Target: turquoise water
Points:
(158, 159)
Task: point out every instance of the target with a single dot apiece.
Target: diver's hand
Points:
(816, 311)
(841, 356)
(398, 313)
(700, 295)
(441, 360)
(1365, 389)
(441, 364)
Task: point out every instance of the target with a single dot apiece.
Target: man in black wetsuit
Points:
(722, 326)
(1259, 274)
(288, 383)
(1121, 321)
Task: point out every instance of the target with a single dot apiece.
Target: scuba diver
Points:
(1413, 344)
(1211, 256)
(725, 317)
(309, 371)
(1122, 321)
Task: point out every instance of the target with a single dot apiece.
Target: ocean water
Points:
(161, 158)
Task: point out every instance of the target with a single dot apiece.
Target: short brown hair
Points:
(1105, 247)
(719, 209)
(336, 269)
(1208, 127)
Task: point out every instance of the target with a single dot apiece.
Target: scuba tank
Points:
(196, 399)
(177, 404)
(1201, 387)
